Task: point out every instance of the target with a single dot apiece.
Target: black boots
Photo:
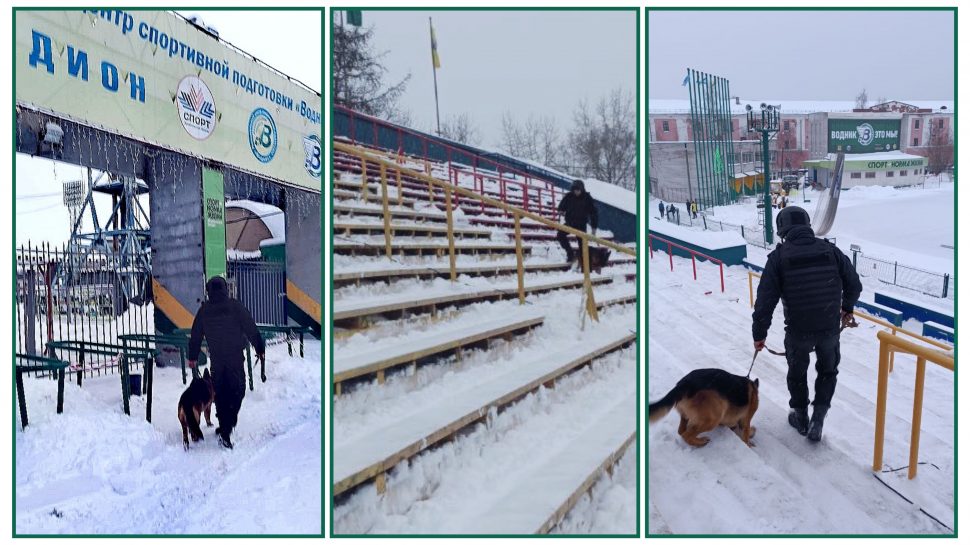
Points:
(798, 418)
(815, 426)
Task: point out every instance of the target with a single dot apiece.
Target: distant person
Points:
(687, 208)
(578, 209)
(693, 209)
(818, 288)
(662, 209)
(226, 326)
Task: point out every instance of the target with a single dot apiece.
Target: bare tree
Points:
(536, 138)
(460, 128)
(603, 142)
(358, 75)
(940, 151)
(862, 99)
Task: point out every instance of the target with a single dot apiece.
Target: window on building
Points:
(855, 175)
(666, 126)
(916, 124)
(787, 144)
(904, 173)
(915, 142)
(941, 123)
(870, 174)
(786, 125)
(747, 157)
(890, 173)
(917, 172)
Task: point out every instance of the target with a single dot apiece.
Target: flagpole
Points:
(434, 70)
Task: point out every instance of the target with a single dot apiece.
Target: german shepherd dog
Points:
(196, 400)
(598, 258)
(708, 398)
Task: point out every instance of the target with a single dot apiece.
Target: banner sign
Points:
(156, 78)
(863, 135)
(214, 222)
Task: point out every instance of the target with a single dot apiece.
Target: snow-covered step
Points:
(406, 229)
(347, 367)
(413, 302)
(397, 213)
(349, 194)
(432, 247)
(563, 476)
(370, 456)
(626, 297)
(441, 271)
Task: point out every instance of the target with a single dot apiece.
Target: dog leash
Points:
(848, 323)
(752, 364)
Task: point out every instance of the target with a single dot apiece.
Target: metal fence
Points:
(904, 276)
(79, 294)
(261, 287)
(751, 235)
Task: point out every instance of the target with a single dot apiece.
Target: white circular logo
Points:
(866, 134)
(196, 107)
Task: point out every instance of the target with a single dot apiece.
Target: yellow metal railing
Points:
(890, 344)
(367, 157)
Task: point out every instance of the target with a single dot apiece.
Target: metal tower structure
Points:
(123, 239)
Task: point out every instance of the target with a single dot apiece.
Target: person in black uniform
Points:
(226, 326)
(579, 209)
(818, 288)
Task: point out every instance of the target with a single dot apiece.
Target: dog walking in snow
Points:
(708, 398)
(196, 400)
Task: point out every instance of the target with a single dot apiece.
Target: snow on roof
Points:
(611, 194)
(604, 192)
(712, 240)
(859, 157)
(682, 105)
(271, 216)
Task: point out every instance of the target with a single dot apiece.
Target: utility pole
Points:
(765, 124)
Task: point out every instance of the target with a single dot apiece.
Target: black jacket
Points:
(226, 325)
(579, 211)
(814, 281)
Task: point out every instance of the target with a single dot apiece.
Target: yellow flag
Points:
(434, 49)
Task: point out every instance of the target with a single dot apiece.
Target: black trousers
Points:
(229, 380)
(798, 350)
(563, 239)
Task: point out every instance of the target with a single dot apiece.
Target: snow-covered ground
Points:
(784, 484)
(911, 225)
(94, 470)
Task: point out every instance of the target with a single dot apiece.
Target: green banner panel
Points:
(214, 222)
(859, 135)
(157, 78)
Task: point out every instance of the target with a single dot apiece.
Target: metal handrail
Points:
(693, 254)
(425, 140)
(890, 344)
(450, 189)
(478, 176)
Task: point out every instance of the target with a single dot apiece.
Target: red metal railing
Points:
(476, 160)
(694, 254)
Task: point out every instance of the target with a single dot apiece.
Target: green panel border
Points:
(956, 262)
(635, 10)
(13, 238)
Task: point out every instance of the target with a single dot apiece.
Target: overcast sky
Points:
(527, 62)
(806, 55)
(287, 41)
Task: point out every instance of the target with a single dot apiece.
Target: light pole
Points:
(766, 124)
